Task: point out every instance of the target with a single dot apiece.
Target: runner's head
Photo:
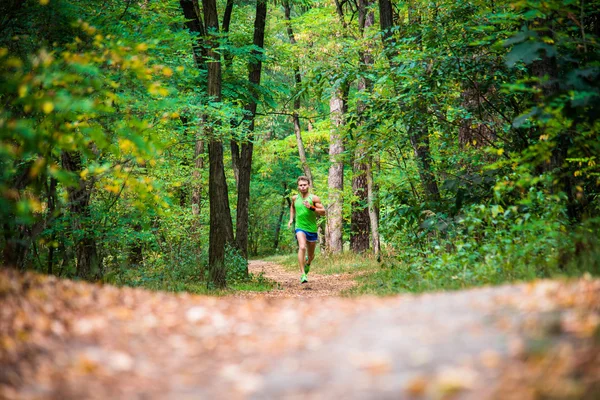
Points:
(303, 184)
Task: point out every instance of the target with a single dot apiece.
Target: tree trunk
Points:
(373, 214)
(191, 11)
(226, 23)
(196, 179)
(254, 71)
(359, 220)
(136, 255)
(86, 252)
(285, 199)
(419, 138)
(194, 24)
(298, 82)
(221, 227)
(336, 173)
(51, 216)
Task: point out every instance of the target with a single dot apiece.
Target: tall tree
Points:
(194, 24)
(296, 104)
(338, 108)
(359, 220)
(221, 227)
(254, 72)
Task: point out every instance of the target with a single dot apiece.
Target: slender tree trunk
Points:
(235, 160)
(254, 72)
(359, 219)
(373, 214)
(336, 173)
(196, 179)
(298, 82)
(419, 138)
(136, 255)
(191, 11)
(285, 199)
(221, 227)
(226, 23)
(88, 261)
(297, 127)
(51, 215)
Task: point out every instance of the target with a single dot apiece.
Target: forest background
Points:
(156, 143)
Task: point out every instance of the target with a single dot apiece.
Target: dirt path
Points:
(61, 339)
(288, 283)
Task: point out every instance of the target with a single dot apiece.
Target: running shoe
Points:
(303, 279)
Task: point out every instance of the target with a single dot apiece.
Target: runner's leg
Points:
(311, 246)
(301, 250)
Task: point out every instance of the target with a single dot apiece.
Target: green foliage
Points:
(504, 97)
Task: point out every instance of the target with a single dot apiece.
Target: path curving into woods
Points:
(61, 339)
(288, 283)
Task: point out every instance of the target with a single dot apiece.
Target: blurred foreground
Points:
(61, 339)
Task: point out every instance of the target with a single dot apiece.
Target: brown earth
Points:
(288, 283)
(61, 339)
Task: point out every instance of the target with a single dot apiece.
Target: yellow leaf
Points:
(112, 188)
(48, 107)
(167, 71)
(22, 91)
(500, 152)
(44, 2)
(126, 145)
(141, 47)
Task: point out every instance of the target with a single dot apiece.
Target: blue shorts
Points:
(310, 236)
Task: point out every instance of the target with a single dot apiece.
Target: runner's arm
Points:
(292, 212)
(319, 208)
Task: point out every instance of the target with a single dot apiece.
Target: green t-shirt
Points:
(306, 219)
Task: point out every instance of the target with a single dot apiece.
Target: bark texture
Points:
(336, 173)
(245, 165)
(221, 228)
(359, 220)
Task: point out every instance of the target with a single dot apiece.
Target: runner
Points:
(305, 208)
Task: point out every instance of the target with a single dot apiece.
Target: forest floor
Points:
(61, 339)
(287, 284)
